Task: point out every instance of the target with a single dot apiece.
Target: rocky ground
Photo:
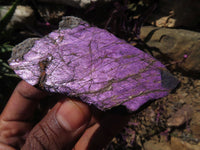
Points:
(170, 123)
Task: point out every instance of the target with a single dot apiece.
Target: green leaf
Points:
(5, 48)
(6, 19)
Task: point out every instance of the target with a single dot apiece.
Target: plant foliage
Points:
(7, 77)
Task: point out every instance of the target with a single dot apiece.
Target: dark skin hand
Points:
(68, 125)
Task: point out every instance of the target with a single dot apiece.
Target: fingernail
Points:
(72, 115)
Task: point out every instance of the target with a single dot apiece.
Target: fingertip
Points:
(61, 128)
(73, 114)
(6, 147)
(23, 102)
(28, 91)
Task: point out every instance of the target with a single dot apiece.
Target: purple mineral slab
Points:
(92, 64)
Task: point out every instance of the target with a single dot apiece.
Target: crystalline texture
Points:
(93, 64)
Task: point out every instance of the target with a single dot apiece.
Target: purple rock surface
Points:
(94, 65)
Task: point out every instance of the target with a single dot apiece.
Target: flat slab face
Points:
(92, 64)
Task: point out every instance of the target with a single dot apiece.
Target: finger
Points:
(14, 133)
(61, 127)
(101, 133)
(6, 147)
(14, 120)
(22, 102)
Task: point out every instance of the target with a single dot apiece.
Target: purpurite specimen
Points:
(92, 64)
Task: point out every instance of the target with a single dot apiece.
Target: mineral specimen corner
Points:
(92, 64)
(69, 22)
(22, 48)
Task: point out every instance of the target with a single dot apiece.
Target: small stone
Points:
(165, 21)
(154, 145)
(178, 144)
(185, 80)
(175, 44)
(21, 14)
(180, 117)
(184, 94)
(175, 14)
(195, 124)
(150, 114)
(197, 83)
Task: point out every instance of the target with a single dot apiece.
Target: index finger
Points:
(22, 102)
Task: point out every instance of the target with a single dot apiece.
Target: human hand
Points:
(70, 124)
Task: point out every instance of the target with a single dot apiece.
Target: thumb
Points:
(60, 128)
